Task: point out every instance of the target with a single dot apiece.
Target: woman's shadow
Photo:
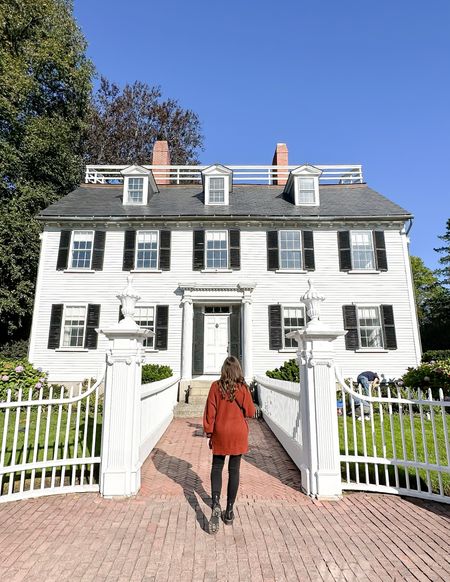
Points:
(180, 471)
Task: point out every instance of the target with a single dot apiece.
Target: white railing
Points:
(157, 403)
(331, 174)
(281, 407)
(397, 442)
(50, 444)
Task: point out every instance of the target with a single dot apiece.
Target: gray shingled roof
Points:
(256, 201)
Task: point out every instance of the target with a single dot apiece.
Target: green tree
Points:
(44, 101)
(125, 123)
(426, 286)
(444, 271)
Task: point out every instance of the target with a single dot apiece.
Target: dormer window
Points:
(138, 186)
(302, 187)
(217, 183)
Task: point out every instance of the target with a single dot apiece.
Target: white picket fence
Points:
(397, 442)
(50, 444)
(158, 400)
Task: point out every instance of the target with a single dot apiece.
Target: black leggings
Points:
(234, 464)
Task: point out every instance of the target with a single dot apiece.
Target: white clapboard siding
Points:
(340, 288)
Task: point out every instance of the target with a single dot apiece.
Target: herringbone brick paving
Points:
(278, 534)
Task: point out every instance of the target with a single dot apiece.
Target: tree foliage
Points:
(44, 95)
(444, 271)
(125, 123)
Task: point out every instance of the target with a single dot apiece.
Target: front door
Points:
(216, 342)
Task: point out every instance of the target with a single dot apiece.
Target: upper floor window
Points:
(216, 249)
(217, 182)
(306, 190)
(362, 249)
(145, 317)
(290, 248)
(302, 187)
(81, 251)
(216, 190)
(135, 190)
(147, 249)
(74, 325)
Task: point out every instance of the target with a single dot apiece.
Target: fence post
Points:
(120, 470)
(320, 435)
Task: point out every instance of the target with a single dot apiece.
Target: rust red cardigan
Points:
(225, 421)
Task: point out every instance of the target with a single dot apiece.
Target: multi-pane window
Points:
(293, 318)
(216, 190)
(290, 249)
(370, 329)
(74, 326)
(147, 249)
(216, 249)
(362, 249)
(306, 191)
(135, 190)
(82, 243)
(145, 317)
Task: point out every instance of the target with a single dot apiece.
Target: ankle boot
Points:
(215, 515)
(228, 514)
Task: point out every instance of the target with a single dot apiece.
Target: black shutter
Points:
(162, 327)
(235, 331)
(164, 250)
(129, 250)
(54, 333)
(121, 315)
(345, 255)
(93, 319)
(380, 250)
(235, 250)
(387, 317)
(351, 325)
(308, 250)
(199, 250)
(63, 252)
(99, 250)
(275, 328)
(272, 250)
(198, 347)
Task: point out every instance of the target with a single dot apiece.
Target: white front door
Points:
(216, 342)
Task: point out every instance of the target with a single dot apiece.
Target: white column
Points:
(248, 338)
(186, 353)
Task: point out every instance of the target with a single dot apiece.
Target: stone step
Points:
(183, 410)
(198, 399)
(200, 384)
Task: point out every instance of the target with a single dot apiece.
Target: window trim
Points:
(383, 339)
(146, 269)
(290, 270)
(372, 269)
(126, 199)
(315, 180)
(147, 305)
(61, 336)
(226, 190)
(80, 269)
(216, 269)
(283, 332)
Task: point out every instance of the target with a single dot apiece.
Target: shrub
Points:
(15, 374)
(432, 375)
(155, 372)
(433, 355)
(14, 350)
(288, 371)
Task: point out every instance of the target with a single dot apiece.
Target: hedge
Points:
(155, 372)
(434, 355)
(288, 371)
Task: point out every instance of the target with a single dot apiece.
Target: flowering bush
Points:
(432, 375)
(16, 374)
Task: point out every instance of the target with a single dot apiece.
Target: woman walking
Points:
(224, 421)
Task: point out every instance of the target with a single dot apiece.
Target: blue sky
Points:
(346, 81)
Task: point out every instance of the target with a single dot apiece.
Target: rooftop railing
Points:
(331, 174)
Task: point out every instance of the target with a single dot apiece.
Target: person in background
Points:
(228, 405)
(365, 379)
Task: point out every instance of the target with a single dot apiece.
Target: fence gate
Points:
(50, 441)
(395, 440)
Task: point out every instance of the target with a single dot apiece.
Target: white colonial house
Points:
(220, 256)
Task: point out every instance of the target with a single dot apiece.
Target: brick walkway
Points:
(278, 533)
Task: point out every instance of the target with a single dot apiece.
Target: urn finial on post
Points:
(312, 301)
(128, 299)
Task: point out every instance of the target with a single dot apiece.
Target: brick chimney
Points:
(280, 158)
(161, 157)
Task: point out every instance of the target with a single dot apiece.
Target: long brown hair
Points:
(230, 378)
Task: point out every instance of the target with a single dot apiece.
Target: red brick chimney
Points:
(161, 157)
(280, 158)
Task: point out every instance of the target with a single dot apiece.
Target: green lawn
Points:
(67, 442)
(383, 440)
